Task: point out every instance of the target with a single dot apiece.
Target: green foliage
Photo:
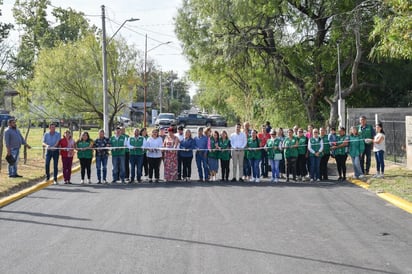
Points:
(393, 31)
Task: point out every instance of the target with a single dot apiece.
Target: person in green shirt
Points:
(340, 151)
(366, 132)
(118, 144)
(224, 143)
(301, 165)
(274, 150)
(290, 148)
(136, 144)
(254, 156)
(356, 148)
(85, 154)
(213, 155)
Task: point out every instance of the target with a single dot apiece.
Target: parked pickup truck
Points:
(194, 120)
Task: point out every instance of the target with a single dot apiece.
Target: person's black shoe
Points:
(18, 176)
(12, 176)
(234, 180)
(241, 180)
(99, 182)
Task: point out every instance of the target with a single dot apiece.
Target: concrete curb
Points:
(21, 194)
(393, 199)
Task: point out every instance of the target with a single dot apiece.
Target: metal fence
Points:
(393, 122)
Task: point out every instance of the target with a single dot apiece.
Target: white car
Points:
(165, 119)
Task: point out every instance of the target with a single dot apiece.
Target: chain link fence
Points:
(393, 122)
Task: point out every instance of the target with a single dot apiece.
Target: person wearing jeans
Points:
(51, 140)
(379, 149)
(274, 151)
(201, 142)
(118, 144)
(315, 148)
(136, 152)
(102, 156)
(254, 156)
(356, 148)
(13, 140)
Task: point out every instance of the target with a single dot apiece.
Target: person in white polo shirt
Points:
(238, 141)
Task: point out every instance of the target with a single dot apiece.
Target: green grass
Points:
(397, 181)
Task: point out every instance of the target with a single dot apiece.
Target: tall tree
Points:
(393, 30)
(67, 80)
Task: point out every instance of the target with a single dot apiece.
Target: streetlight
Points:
(145, 75)
(104, 53)
(341, 102)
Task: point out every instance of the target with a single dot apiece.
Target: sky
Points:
(156, 20)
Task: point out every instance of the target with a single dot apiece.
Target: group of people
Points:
(299, 154)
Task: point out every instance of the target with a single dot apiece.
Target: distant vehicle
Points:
(4, 117)
(194, 120)
(165, 119)
(218, 120)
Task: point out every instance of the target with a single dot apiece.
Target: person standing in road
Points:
(213, 155)
(356, 149)
(201, 154)
(254, 155)
(366, 131)
(67, 146)
(315, 148)
(224, 144)
(118, 143)
(154, 155)
(145, 166)
(85, 154)
(136, 144)
(187, 145)
(325, 154)
(282, 165)
(340, 151)
(171, 143)
(301, 169)
(274, 147)
(263, 138)
(51, 140)
(102, 155)
(126, 156)
(180, 135)
(238, 142)
(379, 149)
(13, 140)
(290, 146)
(247, 169)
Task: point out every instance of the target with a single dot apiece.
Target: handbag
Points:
(278, 156)
(10, 159)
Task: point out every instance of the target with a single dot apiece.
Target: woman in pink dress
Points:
(170, 156)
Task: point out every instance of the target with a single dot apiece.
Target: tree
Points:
(259, 50)
(4, 52)
(67, 80)
(393, 31)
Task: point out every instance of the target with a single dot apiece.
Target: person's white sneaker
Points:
(257, 180)
(55, 183)
(88, 181)
(251, 180)
(82, 182)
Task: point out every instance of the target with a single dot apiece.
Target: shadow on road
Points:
(37, 214)
(209, 244)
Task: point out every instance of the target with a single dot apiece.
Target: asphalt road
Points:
(205, 228)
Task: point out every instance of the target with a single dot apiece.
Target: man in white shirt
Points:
(238, 142)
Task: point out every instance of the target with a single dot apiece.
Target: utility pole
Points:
(105, 100)
(160, 93)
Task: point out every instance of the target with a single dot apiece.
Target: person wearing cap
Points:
(13, 140)
(118, 142)
(181, 136)
(366, 132)
(340, 147)
(51, 140)
(170, 156)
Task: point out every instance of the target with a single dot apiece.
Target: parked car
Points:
(218, 120)
(165, 119)
(4, 117)
(194, 120)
